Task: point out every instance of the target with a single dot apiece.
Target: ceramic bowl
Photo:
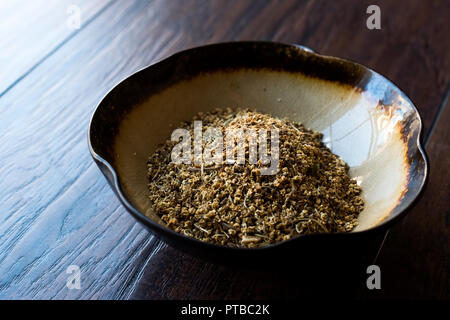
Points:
(364, 117)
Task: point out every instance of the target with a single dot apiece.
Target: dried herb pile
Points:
(235, 205)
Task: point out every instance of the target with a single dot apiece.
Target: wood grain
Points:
(31, 30)
(57, 209)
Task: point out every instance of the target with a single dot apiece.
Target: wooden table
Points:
(57, 209)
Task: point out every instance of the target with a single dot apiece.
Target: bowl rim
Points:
(158, 229)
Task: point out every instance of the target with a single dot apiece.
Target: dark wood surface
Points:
(56, 208)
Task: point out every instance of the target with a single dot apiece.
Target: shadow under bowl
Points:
(365, 119)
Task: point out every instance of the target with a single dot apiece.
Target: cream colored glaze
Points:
(365, 136)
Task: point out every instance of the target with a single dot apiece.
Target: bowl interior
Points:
(365, 119)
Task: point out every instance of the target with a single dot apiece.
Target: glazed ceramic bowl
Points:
(365, 119)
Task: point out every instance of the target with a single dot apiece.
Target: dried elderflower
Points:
(235, 204)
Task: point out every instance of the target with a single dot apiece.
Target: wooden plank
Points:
(415, 259)
(31, 30)
(59, 210)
